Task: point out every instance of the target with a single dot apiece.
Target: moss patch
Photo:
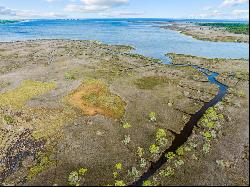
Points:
(148, 83)
(43, 163)
(16, 98)
(94, 97)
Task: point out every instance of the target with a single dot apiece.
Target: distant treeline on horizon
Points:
(237, 28)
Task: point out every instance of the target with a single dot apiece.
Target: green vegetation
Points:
(143, 163)
(152, 116)
(179, 163)
(16, 98)
(147, 183)
(187, 148)
(118, 166)
(223, 164)
(134, 173)
(160, 134)
(69, 76)
(8, 119)
(8, 21)
(126, 140)
(154, 149)
(120, 183)
(124, 48)
(180, 151)
(167, 172)
(115, 174)
(149, 83)
(75, 177)
(170, 155)
(210, 118)
(242, 75)
(127, 126)
(140, 152)
(206, 148)
(237, 28)
(43, 163)
(207, 135)
(161, 137)
(82, 171)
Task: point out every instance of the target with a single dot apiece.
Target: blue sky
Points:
(205, 9)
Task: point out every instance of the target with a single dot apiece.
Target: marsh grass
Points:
(69, 76)
(28, 89)
(8, 119)
(149, 83)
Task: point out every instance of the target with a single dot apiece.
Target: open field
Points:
(87, 113)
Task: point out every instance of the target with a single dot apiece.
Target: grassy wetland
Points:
(86, 113)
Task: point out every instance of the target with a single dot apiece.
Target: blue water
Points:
(143, 34)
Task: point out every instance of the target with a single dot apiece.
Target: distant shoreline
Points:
(148, 19)
(9, 21)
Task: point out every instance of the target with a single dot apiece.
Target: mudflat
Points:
(87, 113)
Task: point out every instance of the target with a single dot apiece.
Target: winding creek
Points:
(181, 139)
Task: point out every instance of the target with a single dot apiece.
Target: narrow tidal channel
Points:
(181, 138)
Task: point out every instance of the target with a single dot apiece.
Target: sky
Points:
(193, 9)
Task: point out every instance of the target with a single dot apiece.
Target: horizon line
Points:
(218, 19)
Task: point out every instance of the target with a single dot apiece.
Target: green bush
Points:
(180, 151)
(154, 149)
(147, 183)
(8, 119)
(167, 172)
(170, 155)
(152, 116)
(120, 183)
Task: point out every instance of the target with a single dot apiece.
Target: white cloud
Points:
(216, 14)
(230, 3)
(95, 6)
(7, 11)
(24, 14)
(241, 14)
(52, 1)
(121, 14)
(85, 9)
(109, 3)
